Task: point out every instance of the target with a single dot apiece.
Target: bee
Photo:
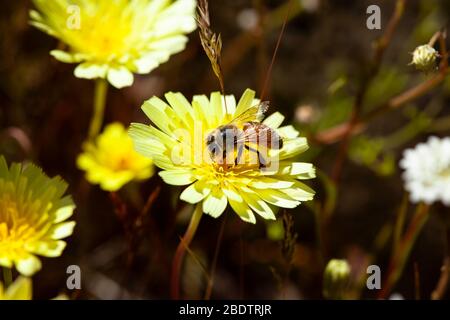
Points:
(226, 144)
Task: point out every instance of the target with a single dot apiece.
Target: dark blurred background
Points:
(324, 53)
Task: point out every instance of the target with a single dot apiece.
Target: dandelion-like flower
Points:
(111, 161)
(21, 289)
(427, 171)
(33, 214)
(176, 142)
(114, 38)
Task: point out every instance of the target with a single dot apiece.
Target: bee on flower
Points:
(33, 216)
(112, 39)
(253, 169)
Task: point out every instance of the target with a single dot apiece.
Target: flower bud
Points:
(424, 58)
(336, 279)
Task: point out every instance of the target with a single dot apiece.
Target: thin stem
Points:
(416, 281)
(7, 276)
(339, 132)
(272, 62)
(177, 261)
(401, 253)
(214, 263)
(400, 222)
(444, 279)
(101, 88)
(320, 222)
(380, 49)
(238, 47)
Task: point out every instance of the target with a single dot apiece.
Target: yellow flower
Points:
(114, 38)
(177, 145)
(33, 214)
(112, 161)
(21, 289)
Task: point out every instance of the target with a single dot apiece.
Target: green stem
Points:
(101, 88)
(401, 253)
(185, 241)
(7, 276)
(400, 222)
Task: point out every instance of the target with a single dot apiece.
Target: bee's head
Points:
(213, 143)
(210, 138)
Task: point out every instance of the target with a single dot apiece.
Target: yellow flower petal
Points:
(245, 102)
(181, 107)
(218, 106)
(111, 160)
(271, 183)
(6, 262)
(61, 230)
(90, 71)
(243, 211)
(293, 147)
(177, 177)
(238, 204)
(65, 56)
(160, 114)
(113, 39)
(186, 159)
(258, 205)
(288, 132)
(21, 289)
(277, 198)
(300, 192)
(215, 203)
(28, 265)
(35, 209)
(65, 211)
(196, 192)
(274, 120)
(52, 248)
(202, 103)
(120, 77)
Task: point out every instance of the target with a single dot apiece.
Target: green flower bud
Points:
(424, 58)
(336, 279)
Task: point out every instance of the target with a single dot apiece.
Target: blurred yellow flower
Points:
(33, 214)
(176, 143)
(21, 289)
(111, 161)
(114, 38)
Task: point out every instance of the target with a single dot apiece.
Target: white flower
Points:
(424, 58)
(427, 171)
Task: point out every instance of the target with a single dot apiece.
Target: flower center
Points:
(104, 36)
(122, 164)
(14, 229)
(103, 43)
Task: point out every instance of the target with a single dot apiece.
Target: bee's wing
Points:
(261, 135)
(255, 113)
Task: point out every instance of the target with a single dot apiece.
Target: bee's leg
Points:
(262, 161)
(240, 150)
